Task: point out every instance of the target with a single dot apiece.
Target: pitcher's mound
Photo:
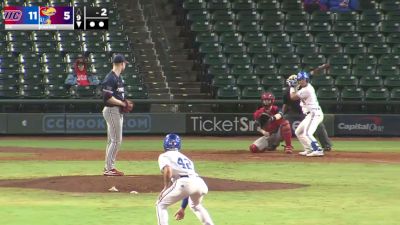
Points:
(139, 183)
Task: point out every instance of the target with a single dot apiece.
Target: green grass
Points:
(190, 144)
(338, 193)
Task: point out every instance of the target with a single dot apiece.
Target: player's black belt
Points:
(184, 176)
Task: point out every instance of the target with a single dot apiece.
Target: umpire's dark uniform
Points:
(291, 107)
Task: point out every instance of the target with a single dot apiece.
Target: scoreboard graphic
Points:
(55, 18)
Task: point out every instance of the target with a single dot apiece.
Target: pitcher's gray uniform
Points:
(185, 183)
(113, 94)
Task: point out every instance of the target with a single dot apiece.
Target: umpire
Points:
(291, 107)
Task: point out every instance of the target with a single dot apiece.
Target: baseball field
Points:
(58, 181)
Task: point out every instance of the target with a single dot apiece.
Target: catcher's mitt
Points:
(264, 120)
(128, 106)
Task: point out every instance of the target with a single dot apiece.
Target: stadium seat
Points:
(247, 16)
(222, 15)
(258, 48)
(247, 80)
(239, 59)
(306, 49)
(365, 59)
(267, 5)
(31, 91)
(55, 79)
(273, 16)
(230, 37)
(18, 36)
(372, 15)
(232, 48)
(198, 15)
(213, 5)
(19, 46)
(239, 5)
(270, 26)
(319, 16)
(65, 46)
(371, 81)
(293, 27)
(393, 38)
(223, 26)
(301, 37)
(68, 36)
(228, 92)
(218, 69)
(355, 49)
(396, 49)
(239, 70)
(287, 70)
(114, 47)
(277, 92)
(194, 5)
(363, 70)
(291, 6)
(201, 26)
(288, 59)
(85, 92)
(393, 16)
(113, 36)
(339, 59)
(282, 48)
(214, 59)
(207, 48)
(392, 81)
(339, 70)
(45, 36)
(343, 27)
(206, 37)
(278, 37)
(328, 49)
(313, 60)
(395, 95)
(390, 26)
(316, 27)
(262, 70)
(378, 49)
(251, 92)
(380, 94)
(272, 81)
(388, 6)
(328, 93)
(322, 80)
(325, 38)
(387, 70)
(346, 80)
(94, 36)
(389, 59)
(367, 27)
(137, 92)
(263, 59)
(352, 93)
(56, 91)
(254, 37)
(29, 58)
(42, 46)
(349, 38)
(371, 38)
(347, 16)
(248, 26)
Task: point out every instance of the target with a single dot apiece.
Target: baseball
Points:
(134, 192)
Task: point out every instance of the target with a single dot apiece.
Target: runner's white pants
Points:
(194, 188)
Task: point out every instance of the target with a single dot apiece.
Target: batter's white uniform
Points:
(185, 183)
(314, 116)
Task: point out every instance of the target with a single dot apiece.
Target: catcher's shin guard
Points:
(254, 149)
(286, 133)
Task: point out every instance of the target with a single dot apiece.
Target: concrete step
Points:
(157, 84)
(159, 96)
(185, 90)
(191, 96)
(184, 84)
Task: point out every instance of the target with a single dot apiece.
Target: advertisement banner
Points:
(220, 124)
(3, 123)
(367, 125)
(95, 123)
(24, 123)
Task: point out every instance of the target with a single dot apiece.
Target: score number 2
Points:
(185, 163)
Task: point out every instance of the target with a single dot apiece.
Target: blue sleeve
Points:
(354, 4)
(185, 202)
(70, 80)
(93, 80)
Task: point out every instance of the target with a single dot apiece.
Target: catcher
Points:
(271, 124)
(115, 106)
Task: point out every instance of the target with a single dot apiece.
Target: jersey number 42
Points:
(185, 163)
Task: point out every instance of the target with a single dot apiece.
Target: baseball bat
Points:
(319, 68)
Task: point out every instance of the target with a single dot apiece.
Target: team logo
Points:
(46, 13)
(12, 15)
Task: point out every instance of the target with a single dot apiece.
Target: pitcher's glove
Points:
(128, 106)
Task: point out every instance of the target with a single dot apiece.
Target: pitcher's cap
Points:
(119, 59)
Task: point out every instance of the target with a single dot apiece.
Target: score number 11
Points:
(34, 16)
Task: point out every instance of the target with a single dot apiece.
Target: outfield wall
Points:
(187, 123)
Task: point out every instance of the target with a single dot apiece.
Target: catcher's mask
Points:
(172, 142)
(267, 99)
(303, 76)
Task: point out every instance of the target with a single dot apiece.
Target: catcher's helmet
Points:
(267, 96)
(303, 76)
(172, 142)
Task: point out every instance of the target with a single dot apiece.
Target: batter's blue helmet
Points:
(303, 76)
(172, 142)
